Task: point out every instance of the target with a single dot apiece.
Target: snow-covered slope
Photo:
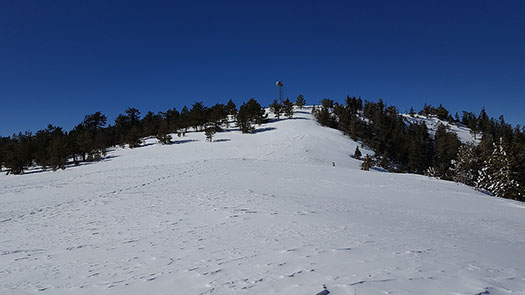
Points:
(263, 213)
(464, 133)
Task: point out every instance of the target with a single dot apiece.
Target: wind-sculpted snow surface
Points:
(262, 213)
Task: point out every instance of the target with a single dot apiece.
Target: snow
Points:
(259, 213)
(432, 122)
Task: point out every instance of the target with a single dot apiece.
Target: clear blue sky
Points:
(60, 60)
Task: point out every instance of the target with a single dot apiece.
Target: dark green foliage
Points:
(445, 151)
(276, 108)
(300, 101)
(173, 118)
(440, 112)
(151, 123)
(210, 131)
(465, 166)
(129, 128)
(368, 163)
(218, 115)
(288, 108)
(231, 108)
(133, 137)
(3, 145)
(419, 148)
(163, 132)
(357, 153)
(407, 147)
(244, 121)
(58, 151)
(496, 175)
(197, 116)
(19, 153)
(250, 113)
(324, 114)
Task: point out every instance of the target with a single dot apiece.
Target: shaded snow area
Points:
(433, 123)
(262, 213)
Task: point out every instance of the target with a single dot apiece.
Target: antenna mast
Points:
(280, 85)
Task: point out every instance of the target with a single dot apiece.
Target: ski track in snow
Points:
(263, 213)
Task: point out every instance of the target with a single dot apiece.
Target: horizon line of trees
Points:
(54, 148)
(495, 165)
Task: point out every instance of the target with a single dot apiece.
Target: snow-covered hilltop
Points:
(260, 213)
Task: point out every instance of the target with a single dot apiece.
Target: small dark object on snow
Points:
(333, 164)
(324, 292)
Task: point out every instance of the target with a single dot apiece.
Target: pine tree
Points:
(250, 113)
(464, 168)
(276, 108)
(446, 150)
(231, 108)
(133, 138)
(300, 101)
(357, 153)
(243, 120)
(496, 175)
(367, 163)
(288, 108)
(58, 152)
(163, 132)
(210, 132)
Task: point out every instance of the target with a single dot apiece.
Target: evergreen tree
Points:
(184, 119)
(324, 114)
(243, 120)
(133, 137)
(129, 128)
(483, 121)
(464, 168)
(151, 123)
(496, 175)
(446, 150)
(173, 118)
(250, 113)
(300, 101)
(58, 151)
(210, 132)
(163, 132)
(288, 108)
(357, 153)
(367, 163)
(197, 116)
(231, 108)
(19, 153)
(276, 108)
(419, 151)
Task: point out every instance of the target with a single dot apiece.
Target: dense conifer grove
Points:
(496, 165)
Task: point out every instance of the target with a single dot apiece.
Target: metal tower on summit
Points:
(280, 85)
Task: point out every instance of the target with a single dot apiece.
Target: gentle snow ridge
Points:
(261, 213)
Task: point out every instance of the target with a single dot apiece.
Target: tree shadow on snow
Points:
(183, 141)
(222, 140)
(379, 169)
(69, 165)
(264, 129)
